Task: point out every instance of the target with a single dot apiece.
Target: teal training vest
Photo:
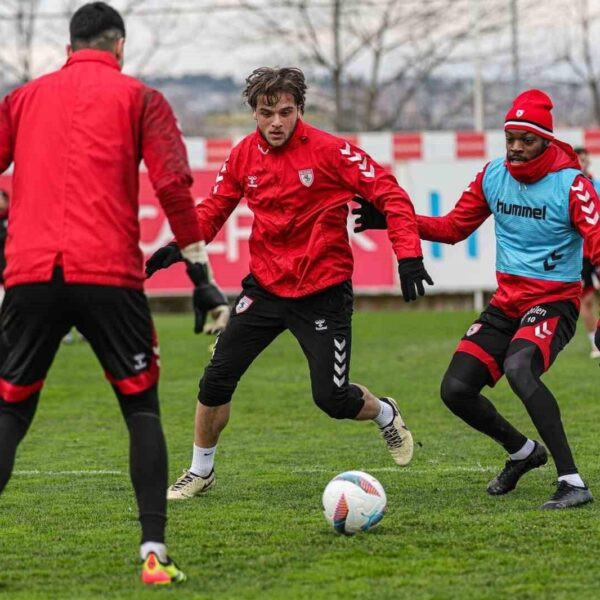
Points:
(534, 234)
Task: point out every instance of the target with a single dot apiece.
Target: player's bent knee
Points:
(519, 371)
(215, 391)
(23, 411)
(342, 404)
(456, 393)
(142, 402)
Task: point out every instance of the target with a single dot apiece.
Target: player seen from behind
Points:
(77, 136)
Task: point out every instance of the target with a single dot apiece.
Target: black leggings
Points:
(523, 366)
(147, 452)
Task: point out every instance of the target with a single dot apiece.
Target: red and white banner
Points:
(374, 270)
(434, 167)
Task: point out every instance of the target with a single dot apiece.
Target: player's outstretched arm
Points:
(412, 272)
(468, 214)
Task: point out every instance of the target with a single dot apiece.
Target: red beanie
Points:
(531, 111)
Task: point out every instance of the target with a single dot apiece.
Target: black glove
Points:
(368, 216)
(206, 297)
(412, 274)
(164, 257)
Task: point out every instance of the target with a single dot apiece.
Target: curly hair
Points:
(272, 82)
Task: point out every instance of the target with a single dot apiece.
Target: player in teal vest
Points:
(542, 206)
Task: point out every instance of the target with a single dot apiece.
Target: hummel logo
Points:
(521, 211)
(587, 204)
(555, 256)
(339, 364)
(357, 156)
(140, 361)
(320, 325)
(542, 330)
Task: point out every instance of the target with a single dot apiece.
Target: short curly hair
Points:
(272, 82)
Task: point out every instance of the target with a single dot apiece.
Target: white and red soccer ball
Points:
(354, 501)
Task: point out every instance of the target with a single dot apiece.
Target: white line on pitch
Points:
(409, 470)
(92, 472)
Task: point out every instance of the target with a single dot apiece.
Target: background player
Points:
(588, 272)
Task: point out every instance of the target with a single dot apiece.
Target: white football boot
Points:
(398, 438)
(190, 485)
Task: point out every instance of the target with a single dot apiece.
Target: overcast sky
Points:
(205, 36)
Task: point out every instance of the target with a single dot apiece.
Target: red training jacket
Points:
(515, 293)
(299, 196)
(77, 137)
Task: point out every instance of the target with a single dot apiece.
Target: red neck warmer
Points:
(534, 169)
(558, 155)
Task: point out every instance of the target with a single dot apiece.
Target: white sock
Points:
(573, 479)
(203, 460)
(159, 549)
(591, 336)
(385, 416)
(524, 452)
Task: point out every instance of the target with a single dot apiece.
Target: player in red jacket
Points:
(297, 180)
(76, 137)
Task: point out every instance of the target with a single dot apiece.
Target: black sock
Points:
(148, 469)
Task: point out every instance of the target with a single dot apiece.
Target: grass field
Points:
(68, 524)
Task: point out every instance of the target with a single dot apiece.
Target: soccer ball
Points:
(354, 501)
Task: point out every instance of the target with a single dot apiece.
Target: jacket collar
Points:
(299, 136)
(89, 55)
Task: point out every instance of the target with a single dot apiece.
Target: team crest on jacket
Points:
(306, 177)
(473, 329)
(243, 304)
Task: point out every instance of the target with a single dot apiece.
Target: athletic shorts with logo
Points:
(115, 321)
(548, 326)
(322, 324)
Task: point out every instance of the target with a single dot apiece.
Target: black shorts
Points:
(115, 321)
(322, 324)
(588, 273)
(549, 326)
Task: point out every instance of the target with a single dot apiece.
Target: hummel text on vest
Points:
(521, 211)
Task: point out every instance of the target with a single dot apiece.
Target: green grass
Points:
(260, 533)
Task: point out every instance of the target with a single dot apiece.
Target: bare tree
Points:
(19, 17)
(32, 40)
(398, 43)
(580, 53)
